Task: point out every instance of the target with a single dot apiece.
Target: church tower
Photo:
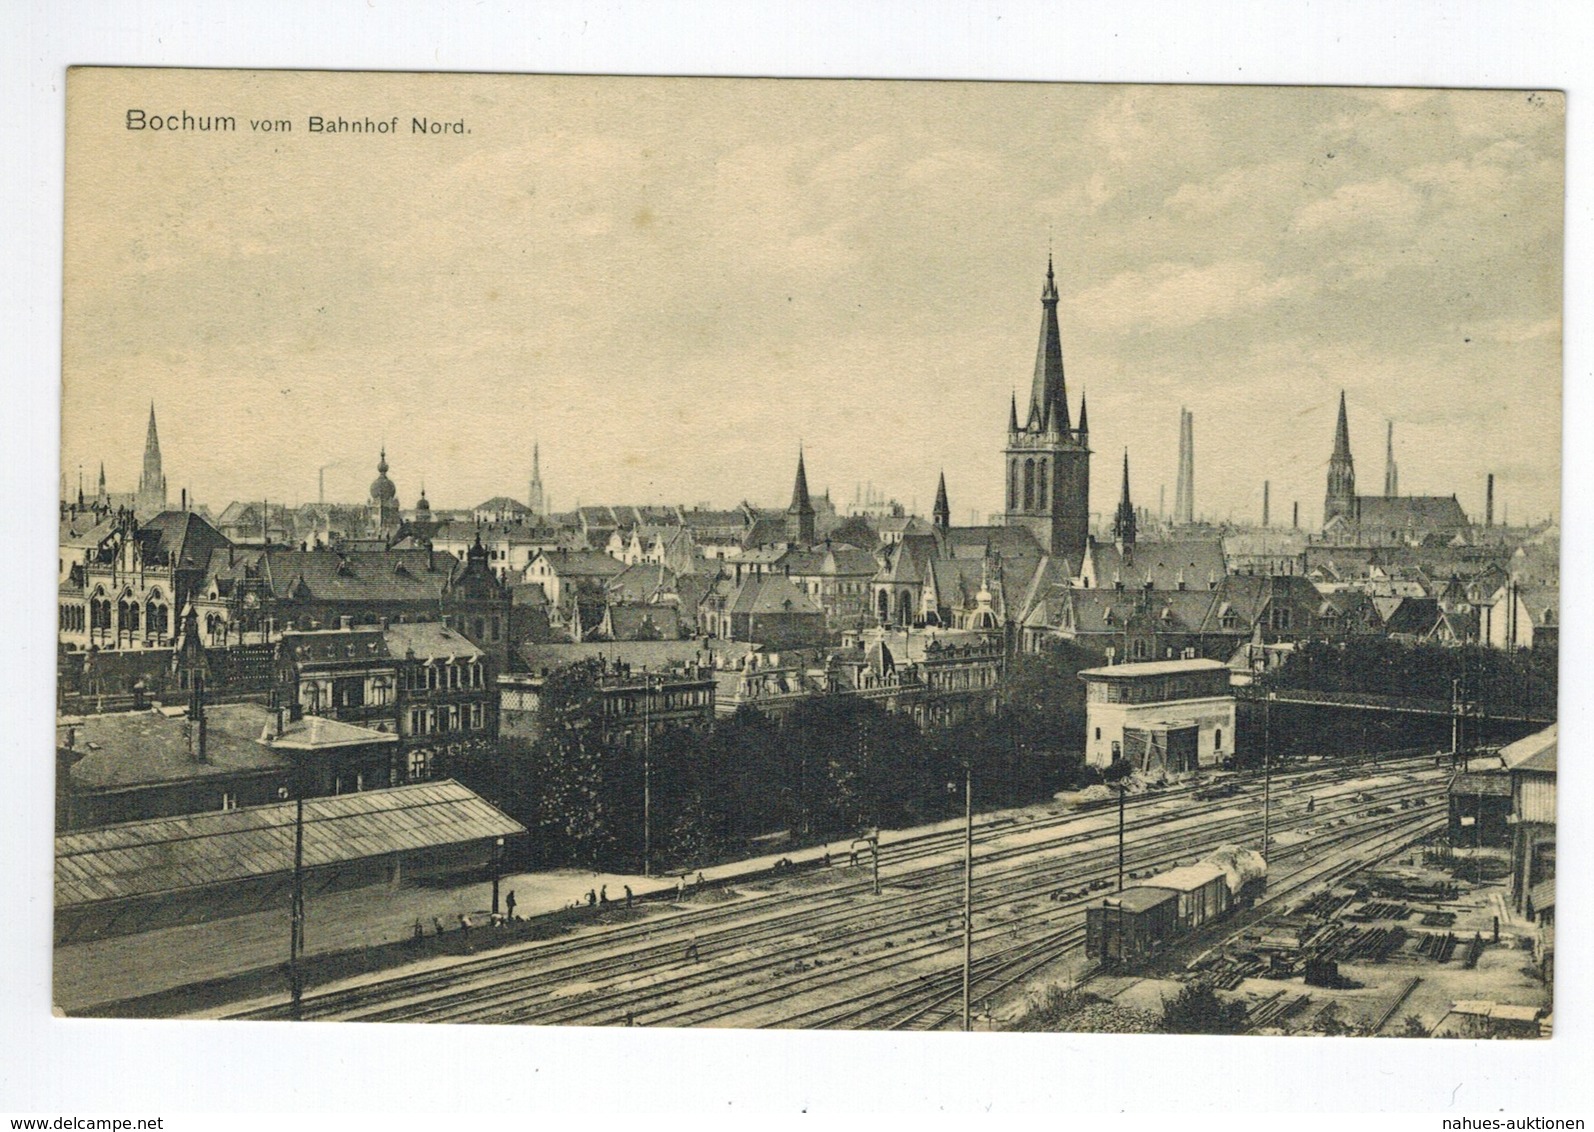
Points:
(800, 515)
(534, 497)
(1123, 523)
(1340, 502)
(384, 508)
(1048, 460)
(943, 509)
(151, 498)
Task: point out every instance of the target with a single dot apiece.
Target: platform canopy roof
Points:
(195, 851)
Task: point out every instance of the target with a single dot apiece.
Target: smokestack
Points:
(321, 486)
(185, 499)
(1488, 504)
(1266, 491)
(1295, 519)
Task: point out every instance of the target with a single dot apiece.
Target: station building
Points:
(1166, 717)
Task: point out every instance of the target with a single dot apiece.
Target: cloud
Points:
(1388, 202)
(1178, 295)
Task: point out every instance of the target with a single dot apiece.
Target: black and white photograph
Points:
(897, 556)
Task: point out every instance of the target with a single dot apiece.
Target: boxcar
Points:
(1203, 893)
(1132, 924)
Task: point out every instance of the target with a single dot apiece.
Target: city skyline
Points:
(855, 268)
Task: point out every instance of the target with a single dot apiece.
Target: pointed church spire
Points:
(800, 515)
(1123, 524)
(1084, 418)
(943, 510)
(1340, 499)
(1342, 432)
(1012, 413)
(1048, 395)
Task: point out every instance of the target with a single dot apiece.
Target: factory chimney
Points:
(1488, 503)
(1266, 492)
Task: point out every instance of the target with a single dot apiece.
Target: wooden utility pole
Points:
(968, 891)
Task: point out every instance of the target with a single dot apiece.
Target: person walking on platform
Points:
(603, 896)
(509, 904)
(628, 896)
(699, 882)
(680, 888)
(419, 931)
(464, 922)
(592, 898)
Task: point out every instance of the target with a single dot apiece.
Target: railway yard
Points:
(812, 946)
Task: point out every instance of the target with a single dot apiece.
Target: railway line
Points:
(773, 955)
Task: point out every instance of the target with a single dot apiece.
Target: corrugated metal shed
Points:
(1535, 799)
(170, 854)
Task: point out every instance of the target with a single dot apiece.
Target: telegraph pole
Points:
(647, 775)
(296, 940)
(968, 891)
(1122, 790)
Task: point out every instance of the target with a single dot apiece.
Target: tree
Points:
(1197, 1009)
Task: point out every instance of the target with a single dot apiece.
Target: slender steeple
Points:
(102, 496)
(800, 515)
(1084, 418)
(1123, 524)
(1012, 414)
(1340, 500)
(152, 482)
(1048, 399)
(943, 510)
(534, 497)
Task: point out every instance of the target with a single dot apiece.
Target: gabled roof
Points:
(1535, 753)
(768, 595)
(181, 538)
(580, 563)
(1165, 564)
(1415, 513)
(352, 576)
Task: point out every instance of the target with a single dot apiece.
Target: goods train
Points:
(1140, 921)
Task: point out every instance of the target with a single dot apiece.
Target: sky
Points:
(670, 285)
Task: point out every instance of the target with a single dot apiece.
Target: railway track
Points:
(648, 982)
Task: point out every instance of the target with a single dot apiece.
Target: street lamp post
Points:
(296, 937)
(498, 868)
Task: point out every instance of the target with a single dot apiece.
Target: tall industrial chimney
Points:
(1266, 491)
(1295, 519)
(1488, 504)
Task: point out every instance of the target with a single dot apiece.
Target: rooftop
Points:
(1152, 668)
(172, 854)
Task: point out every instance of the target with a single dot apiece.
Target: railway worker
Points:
(509, 904)
(825, 860)
(592, 898)
(680, 888)
(852, 860)
(437, 924)
(699, 882)
(691, 951)
(464, 922)
(419, 931)
(603, 896)
(628, 896)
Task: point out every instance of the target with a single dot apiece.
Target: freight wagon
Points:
(1140, 921)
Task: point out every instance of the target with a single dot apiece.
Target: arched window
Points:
(1029, 485)
(1012, 487)
(1217, 740)
(905, 608)
(1040, 487)
(885, 606)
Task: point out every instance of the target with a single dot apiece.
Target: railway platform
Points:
(93, 975)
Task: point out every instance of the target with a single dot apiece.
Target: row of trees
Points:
(1500, 682)
(838, 765)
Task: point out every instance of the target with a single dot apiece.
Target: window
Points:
(1217, 740)
(1098, 735)
(420, 764)
(229, 801)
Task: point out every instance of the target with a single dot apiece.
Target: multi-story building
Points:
(1168, 717)
(632, 702)
(125, 583)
